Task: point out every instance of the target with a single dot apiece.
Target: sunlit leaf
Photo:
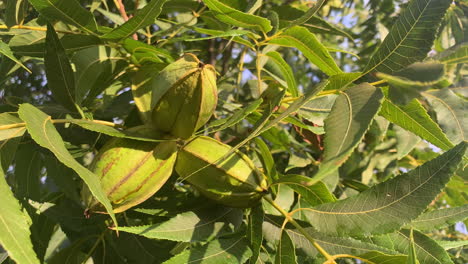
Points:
(225, 250)
(230, 15)
(286, 71)
(142, 18)
(6, 51)
(14, 227)
(68, 11)
(410, 38)
(17, 130)
(202, 225)
(314, 193)
(302, 39)
(414, 118)
(309, 14)
(440, 218)
(44, 133)
(389, 205)
(333, 245)
(427, 250)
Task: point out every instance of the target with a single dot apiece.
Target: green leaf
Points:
(427, 250)
(202, 225)
(333, 245)
(21, 44)
(302, 39)
(412, 256)
(455, 55)
(286, 71)
(28, 172)
(227, 251)
(68, 11)
(234, 17)
(111, 131)
(285, 252)
(63, 177)
(379, 257)
(440, 218)
(307, 15)
(414, 118)
(142, 18)
(263, 124)
(409, 82)
(451, 113)
(93, 67)
(410, 38)
(143, 53)
(452, 244)
(236, 117)
(314, 193)
(44, 133)
(59, 73)
(406, 141)
(346, 125)
(7, 119)
(6, 51)
(254, 230)
(223, 34)
(15, 12)
(14, 227)
(388, 206)
(317, 109)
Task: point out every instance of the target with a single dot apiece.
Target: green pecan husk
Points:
(131, 171)
(184, 97)
(233, 181)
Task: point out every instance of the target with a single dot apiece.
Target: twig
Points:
(123, 13)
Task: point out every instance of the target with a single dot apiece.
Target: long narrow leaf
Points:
(232, 16)
(388, 206)
(142, 18)
(414, 118)
(440, 218)
(302, 39)
(44, 133)
(68, 11)
(14, 227)
(411, 37)
(6, 51)
(60, 76)
(285, 70)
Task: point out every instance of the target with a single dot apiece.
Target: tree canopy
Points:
(234, 131)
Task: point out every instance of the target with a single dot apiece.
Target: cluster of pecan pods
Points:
(131, 171)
